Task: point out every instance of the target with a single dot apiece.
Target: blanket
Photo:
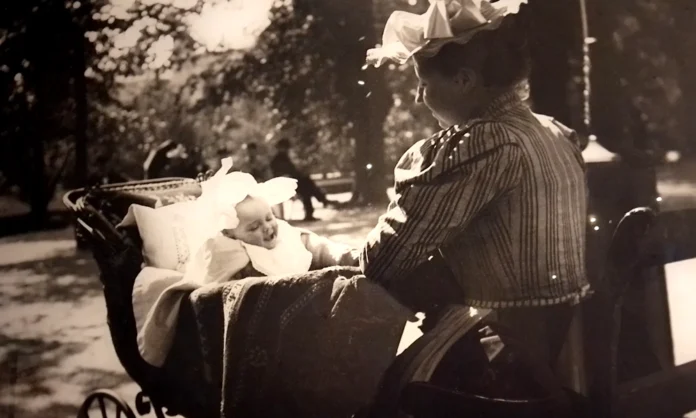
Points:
(158, 293)
(157, 297)
(309, 345)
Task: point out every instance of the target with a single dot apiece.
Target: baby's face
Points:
(257, 223)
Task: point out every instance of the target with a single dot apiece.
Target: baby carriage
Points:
(185, 391)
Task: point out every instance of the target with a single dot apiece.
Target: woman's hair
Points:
(501, 55)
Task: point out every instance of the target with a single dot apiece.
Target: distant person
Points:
(255, 163)
(170, 159)
(282, 165)
(180, 163)
(105, 172)
(196, 162)
(156, 160)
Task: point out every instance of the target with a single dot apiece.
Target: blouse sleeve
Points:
(444, 183)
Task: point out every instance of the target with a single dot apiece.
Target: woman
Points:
(497, 200)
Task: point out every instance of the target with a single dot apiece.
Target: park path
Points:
(54, 343)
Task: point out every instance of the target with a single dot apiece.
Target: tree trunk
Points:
(38, 199)
(685, 13)
(367, 98)
(81, 109)
(551, 55)
(370, 170)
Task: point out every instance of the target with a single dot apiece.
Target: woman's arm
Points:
(327, 253)
(441, 185)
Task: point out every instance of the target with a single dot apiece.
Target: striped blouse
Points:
(503, 199)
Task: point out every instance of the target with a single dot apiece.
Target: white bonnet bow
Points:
(407, 34)
(222, 192)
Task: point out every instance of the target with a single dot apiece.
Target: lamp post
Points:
(617, 183)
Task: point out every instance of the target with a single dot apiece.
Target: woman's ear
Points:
(466, 79)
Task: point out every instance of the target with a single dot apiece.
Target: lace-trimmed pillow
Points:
(170, 234)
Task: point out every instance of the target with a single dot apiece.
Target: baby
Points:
(245, 237)
(257, 223)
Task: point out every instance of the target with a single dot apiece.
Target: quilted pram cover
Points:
(310, 345)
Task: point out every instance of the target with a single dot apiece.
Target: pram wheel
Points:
(142, 404)
(109, 403)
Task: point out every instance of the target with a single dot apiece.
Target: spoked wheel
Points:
(105, 403)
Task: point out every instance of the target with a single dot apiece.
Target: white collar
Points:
(290, 256)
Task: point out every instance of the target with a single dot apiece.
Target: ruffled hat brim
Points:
(446, 21)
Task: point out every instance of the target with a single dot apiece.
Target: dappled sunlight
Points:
(57, 359)
(160, 51)
(346, 225)
(30, 251)
(219, 26)
(62, 275)
(54, 343)
(223, 25)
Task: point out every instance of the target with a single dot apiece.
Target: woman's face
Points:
(444, 96)
(257, 224)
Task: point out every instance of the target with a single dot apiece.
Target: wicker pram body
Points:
(119, 258)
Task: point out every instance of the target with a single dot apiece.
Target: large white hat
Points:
(445, 21)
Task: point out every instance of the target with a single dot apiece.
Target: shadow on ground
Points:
(64, 275)
(49, 377)
(55, 346)
(349, 226)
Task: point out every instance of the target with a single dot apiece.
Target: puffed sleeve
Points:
(442, 184)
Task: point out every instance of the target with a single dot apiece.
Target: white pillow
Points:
(170, 234)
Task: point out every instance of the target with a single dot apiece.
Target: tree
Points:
(637, 85)
(684, 13)
(552, 56)
(43, 49)
(307, 67)
(366, 97)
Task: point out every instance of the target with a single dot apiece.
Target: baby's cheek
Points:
(258, 237)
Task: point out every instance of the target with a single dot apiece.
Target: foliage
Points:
(407, 121)
(150, 78)
(292, 71)
(42, 46)
(640, 38)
